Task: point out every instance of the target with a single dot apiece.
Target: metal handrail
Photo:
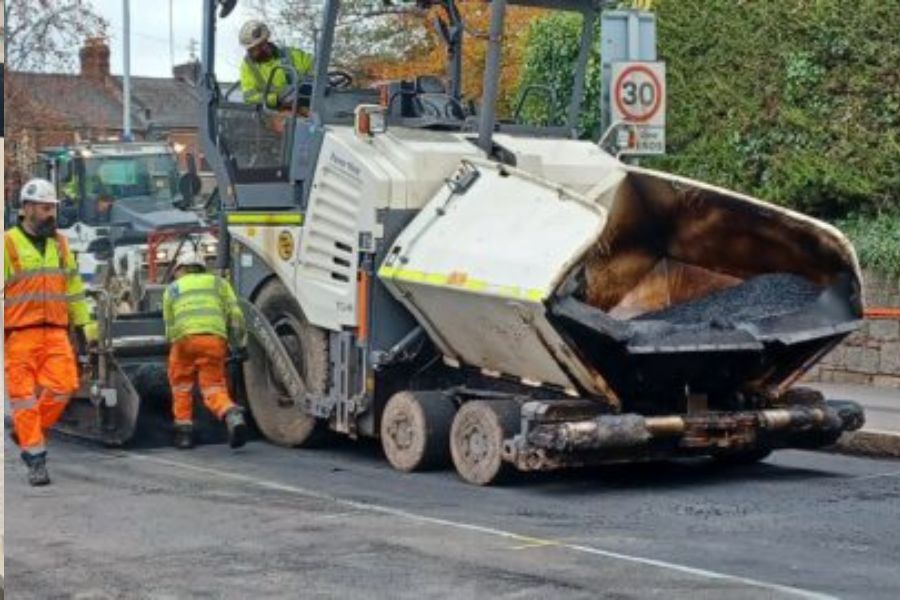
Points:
(537, 87)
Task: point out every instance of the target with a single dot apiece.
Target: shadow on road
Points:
(339, 454)
(347, 455)
(658, 474)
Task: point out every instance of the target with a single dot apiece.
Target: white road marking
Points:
(460, 525)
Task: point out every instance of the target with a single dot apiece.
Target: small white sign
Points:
(638, 99)
(642, 139)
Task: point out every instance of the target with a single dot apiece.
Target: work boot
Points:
(237, 427)
(37, 468)
(184, 437)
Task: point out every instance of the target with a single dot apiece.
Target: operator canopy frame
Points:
(437, 106)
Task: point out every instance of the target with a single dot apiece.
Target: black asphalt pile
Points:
(757, 298)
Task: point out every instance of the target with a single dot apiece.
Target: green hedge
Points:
(794, 101)
(877, 241)
(550, 56)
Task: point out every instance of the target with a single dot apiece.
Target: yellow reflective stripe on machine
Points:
(457, 280)
(265, 219)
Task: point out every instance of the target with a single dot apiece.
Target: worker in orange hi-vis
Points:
(202, 316)
(43, 298)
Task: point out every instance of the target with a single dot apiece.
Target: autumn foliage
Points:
(431, 57)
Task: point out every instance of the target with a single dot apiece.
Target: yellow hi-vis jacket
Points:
(254, 75)
(42, 289)
(203, 303)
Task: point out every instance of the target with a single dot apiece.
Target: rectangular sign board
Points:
(626, 35)
(638, 101)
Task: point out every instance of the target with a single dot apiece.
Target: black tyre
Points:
(274, 413)
(415, 430)
(476, 439)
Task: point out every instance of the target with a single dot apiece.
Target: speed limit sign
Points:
(638, 100)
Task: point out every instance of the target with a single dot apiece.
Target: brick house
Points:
(48, 109)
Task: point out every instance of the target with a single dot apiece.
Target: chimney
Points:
(95, 59)
(189, 72)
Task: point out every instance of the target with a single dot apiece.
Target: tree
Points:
(796, 102)
(550, 55)
(399, 41)
(365, 27)
(43, 35)
(476, 17)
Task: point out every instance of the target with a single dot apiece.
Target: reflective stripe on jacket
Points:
(41, 289)
(255, 75)
(203, 303)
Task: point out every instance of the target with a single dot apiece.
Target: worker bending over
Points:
(261, 59)
(43, 298)
(201, 315)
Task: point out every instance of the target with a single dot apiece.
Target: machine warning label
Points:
(285, 245)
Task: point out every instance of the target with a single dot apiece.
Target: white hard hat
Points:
(188, 257)
(39, 190)
(253, 33)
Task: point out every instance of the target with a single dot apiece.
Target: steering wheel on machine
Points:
(339, 79)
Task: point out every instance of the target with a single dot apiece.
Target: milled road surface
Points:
(266, 522)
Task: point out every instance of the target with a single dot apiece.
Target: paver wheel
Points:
(275, 415)
(415, 430)
(476, 439)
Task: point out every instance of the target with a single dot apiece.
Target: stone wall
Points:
(871, 356)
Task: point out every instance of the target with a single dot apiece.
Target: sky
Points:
(150, 55)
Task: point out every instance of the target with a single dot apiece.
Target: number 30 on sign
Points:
(638, 97)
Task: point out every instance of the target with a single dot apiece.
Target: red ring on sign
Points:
(629, 116)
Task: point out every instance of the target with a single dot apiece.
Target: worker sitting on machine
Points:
(261, 59)
(202, 315)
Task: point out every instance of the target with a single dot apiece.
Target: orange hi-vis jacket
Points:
(41, 290)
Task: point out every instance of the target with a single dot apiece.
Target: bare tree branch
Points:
(366, 28)
(44, 35)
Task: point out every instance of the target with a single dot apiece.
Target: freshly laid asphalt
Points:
(338, 522)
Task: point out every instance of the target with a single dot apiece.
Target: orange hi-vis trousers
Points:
(41, 374)
(203, 357)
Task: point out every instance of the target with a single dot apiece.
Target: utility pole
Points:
(126, 78)
(171, 38)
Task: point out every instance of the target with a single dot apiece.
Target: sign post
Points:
(633, 102)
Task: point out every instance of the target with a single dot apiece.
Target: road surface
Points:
(268, 522)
